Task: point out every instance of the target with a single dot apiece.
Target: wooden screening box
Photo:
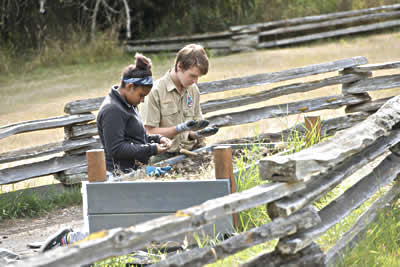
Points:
(121, 204)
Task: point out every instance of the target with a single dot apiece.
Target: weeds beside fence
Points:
(38, 200)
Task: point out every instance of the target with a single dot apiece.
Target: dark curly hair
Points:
(141, 69)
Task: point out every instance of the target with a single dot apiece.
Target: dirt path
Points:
(16, 234)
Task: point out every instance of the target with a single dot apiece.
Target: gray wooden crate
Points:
(122, 204)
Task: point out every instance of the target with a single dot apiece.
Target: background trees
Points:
(28, 24)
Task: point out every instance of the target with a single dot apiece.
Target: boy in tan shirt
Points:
(172, 108)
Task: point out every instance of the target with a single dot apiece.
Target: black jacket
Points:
(123, 135)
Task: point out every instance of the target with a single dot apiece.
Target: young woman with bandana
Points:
(123, 135)
(120, 126)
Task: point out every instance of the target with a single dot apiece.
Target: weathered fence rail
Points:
(296, 182)
(279, 33)
(81, 131)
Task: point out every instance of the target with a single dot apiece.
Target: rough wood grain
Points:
(82, 150)
(244, 29)
(319, 186)
(373, 84)
(80, 130)
(49, 123)
(310, 256)
(363, 76)
(310, 19)
(189, 38)
(244, 42)
(329, 34)
(267, 78)
(275, 229)
(96, 163)
(337, 210)
(123, 241)
(321, 157)
(379, 66)
(223, 167)
(371, 106)
(43, 150)
(252, 115)
(220, 227)
(73, 175)
(329, 128)
(80, 169)
(330, 23)
(247, 99)
(179, 158)
(82, 106)
(71, 179)
(41, 168)
(350, 239)
(211, 44)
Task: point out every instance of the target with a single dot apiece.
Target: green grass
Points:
(18, 204)
(55, 53)
(381, 244)
(247, 179)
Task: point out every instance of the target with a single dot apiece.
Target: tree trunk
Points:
(128, 20)
(94, 16)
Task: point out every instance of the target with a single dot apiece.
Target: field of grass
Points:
(43, 92)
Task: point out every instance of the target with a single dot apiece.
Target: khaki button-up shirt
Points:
(165, 106)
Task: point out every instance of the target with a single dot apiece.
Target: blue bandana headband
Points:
(140, 81)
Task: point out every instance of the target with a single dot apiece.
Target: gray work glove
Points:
(207, 132)
(191, 125)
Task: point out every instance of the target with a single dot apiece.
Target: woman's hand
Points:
(165, 141)
(161, 148)
(165, 144)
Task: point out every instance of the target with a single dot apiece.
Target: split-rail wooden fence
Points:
(280, 33)
(81, 130)
(297, 180)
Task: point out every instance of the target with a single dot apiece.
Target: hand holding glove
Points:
(206, 132)
(191, 125)
(157, 171)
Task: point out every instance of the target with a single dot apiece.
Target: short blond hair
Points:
(192, 55)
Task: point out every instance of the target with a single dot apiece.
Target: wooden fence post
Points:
(346, 86)
(224, 170)
(96, 165)
(313, 128)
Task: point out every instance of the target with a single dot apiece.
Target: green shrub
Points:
(21, 204)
